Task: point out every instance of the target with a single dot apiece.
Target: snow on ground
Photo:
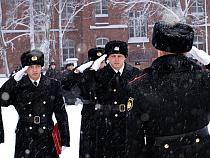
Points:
(10, 118)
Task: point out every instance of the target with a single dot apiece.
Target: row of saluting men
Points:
(162, 111)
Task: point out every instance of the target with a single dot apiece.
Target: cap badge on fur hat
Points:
(34, 58)
(99, 54)
(117, 48)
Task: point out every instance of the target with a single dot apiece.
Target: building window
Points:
(39, 14)
(101, 7)
(137, 24)
(171, 3)
(67, 11)
(197, 6)
(101, 42)
(68, 49)
(39, 6)
(198, 42)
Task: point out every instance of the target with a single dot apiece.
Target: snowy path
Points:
(10, 118)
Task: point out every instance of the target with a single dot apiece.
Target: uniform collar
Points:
(121, 69)
(174, 63)
(36, 80)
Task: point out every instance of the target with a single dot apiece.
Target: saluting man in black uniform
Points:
(86, 86)
(89, 122)
(52, 72)
(111, 94)
(36, 98)
(1, 129)
(170, 101)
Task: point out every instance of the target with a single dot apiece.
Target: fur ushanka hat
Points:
(116, 47)
(95, 53)
(172, 37)
(32, 57)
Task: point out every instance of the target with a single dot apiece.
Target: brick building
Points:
(96, 23)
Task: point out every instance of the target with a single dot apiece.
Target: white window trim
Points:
(109, 27)
(138, 40)
(101, 15)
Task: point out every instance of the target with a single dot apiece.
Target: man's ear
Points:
(160, 53)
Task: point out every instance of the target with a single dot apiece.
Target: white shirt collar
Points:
(121, 69)
(36, 80)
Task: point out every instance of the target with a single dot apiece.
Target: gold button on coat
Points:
(166, 146)
(197, 140)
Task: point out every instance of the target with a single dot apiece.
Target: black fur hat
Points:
(53, 63)
(137, 63)
(95, 53)
(32, 57)
(172, 37)
(69, 64)
(116, 47)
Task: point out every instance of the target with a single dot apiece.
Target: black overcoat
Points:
(103, 133)
(1, 130)
(83, 85)
(88, 139)
(111, 126)
(171, 98)
(34, 139)
(52, 73)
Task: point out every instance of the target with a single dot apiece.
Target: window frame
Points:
(102, 10)
(198, 43)
(102, 45)
(137, 21)
(195, 7)
(68, 45)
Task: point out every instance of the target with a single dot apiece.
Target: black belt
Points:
(120, 108)
(35, 119)
(157, 141)
(88, 101)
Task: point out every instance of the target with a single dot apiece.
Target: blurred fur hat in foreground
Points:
(95, 53)
(172, 37)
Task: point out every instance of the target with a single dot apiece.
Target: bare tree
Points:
(11, 22)
(75, 7)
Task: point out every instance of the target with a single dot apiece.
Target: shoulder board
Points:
(53, 79)
(137, 78)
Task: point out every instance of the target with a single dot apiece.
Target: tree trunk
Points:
(48, 5)
(60, 36)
